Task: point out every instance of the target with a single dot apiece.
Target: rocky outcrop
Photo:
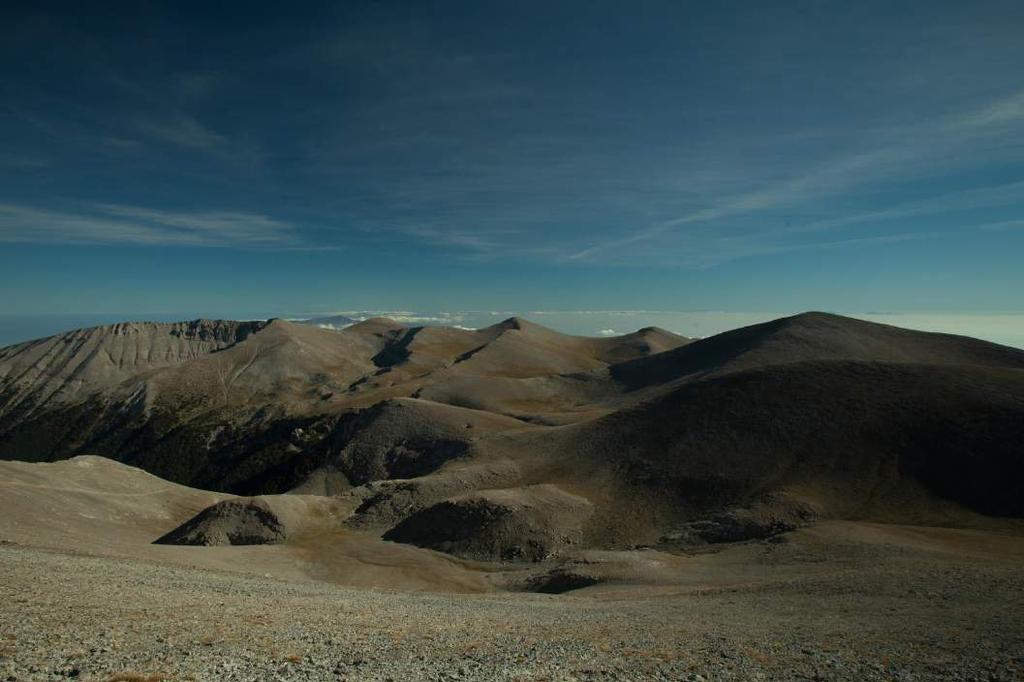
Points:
(232, 522)
(517, 524)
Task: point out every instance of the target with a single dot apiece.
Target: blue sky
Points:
(262, 160)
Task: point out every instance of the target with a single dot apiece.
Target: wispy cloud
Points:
(707, 253)
(1005, 111)
(181, 129)
(116, 224)
(928, 147)
(479, 241)
(950, 202)
(1003, 225)
(22, 161)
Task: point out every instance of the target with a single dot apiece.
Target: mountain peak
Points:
(514, 323)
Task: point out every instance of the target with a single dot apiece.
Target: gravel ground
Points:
(90, 618)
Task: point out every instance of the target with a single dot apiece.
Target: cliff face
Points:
(64, 368)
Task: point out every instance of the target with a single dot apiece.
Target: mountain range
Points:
(518, 443)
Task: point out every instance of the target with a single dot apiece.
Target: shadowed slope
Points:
(396, 439)
(877, 423)
(511, 348)
(214, 421)
(519, 348)
(813, 336)
(531, 523)
(850, 435)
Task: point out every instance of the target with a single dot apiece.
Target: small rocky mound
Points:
(560, 581)
(407, 438)
(232, 522)
(517, 524)
(763, 520)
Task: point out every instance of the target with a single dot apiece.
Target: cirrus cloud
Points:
(135, 225)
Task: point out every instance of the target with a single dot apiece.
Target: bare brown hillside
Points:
(518, 442)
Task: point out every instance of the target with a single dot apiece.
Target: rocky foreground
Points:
(878, 613)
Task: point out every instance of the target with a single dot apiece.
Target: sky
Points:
(179, 159)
